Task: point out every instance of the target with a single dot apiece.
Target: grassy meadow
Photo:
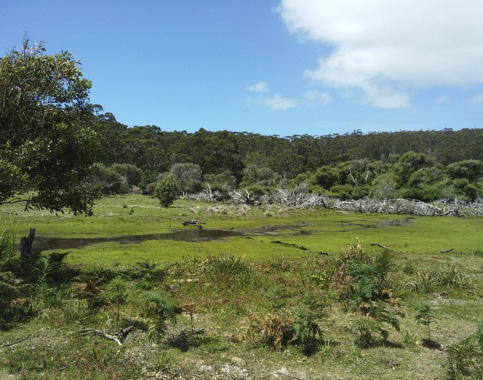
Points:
(301, 294)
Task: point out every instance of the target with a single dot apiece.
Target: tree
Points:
(117, 293)
(166, 190)
(187, 176)
(46, 143)
(471, 170)
(425, 316)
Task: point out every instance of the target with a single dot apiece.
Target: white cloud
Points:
(276, 102)
(384, 47)
(259, 87)
(315, 96)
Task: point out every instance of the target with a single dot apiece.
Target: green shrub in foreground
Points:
(465, 358)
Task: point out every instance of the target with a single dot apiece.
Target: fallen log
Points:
(446, 250)
(379, 245)
(118, 338)
(19, 340)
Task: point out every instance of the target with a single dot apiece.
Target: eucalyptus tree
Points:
(47, 145)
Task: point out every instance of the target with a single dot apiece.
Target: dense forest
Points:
(58, 151)
(423, 165)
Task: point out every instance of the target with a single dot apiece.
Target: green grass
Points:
(249, 279)
(424, 235)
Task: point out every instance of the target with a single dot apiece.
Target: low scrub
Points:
(465, 358)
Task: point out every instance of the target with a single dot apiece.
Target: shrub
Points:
(87, 287)
(117, 293)
(108, 180)
(425, 316)
(277, 331)
(132, 173)
(465, 358)
(166, 191)
(187, 176)
(362, 278)
(306, 332)
(13, 305)
(160, 309)
(377, 315)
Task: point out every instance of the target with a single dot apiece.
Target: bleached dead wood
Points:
(118, 338)
(301, 198)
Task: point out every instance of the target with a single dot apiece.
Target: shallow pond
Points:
(201, 234)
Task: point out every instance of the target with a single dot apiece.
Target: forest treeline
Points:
(57, 150)
(423, 165)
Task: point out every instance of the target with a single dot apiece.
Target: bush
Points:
(425, 316)
(276, 331)
(377, 316)
(108, 180)
(166, 191)
(306, 332)
(160, 309)
(187, 176)
(132, 173)
(362, 278)
(465, 358)
(117, 293)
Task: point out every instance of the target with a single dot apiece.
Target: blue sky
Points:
(278, 67)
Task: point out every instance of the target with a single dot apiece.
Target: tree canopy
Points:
(47, 145)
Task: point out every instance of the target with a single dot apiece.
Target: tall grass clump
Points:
(7, 240)
(227, 269)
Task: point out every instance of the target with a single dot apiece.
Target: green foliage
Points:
(46, 143)
(384, 186)
(132, 173)
(226, 266)
(259, 176)
(363, 278)
(408, 164)
(472, 170)
(222, 182)
(325, 177)
(117, 293)
(366, 328)
(7, 242)
(187, 176)
(161, 310)
(13, 305)
(466, 190)
(449, 277)
(465, 358)
(425, 316)
(306, 332)
(108, 180)
(87, 287)
(57, 271)
(166, 191)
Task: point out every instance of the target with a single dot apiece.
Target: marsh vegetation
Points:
(242, 305)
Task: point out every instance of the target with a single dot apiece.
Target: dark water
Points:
(44, 243)
(195, 235)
